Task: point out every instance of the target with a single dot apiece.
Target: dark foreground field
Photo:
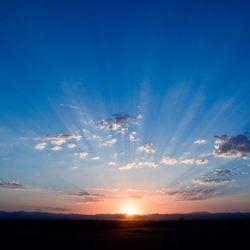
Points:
(126, 234)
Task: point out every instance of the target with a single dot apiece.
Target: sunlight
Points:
(131, 210)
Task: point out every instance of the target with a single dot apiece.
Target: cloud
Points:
(132, 136)
(56, 148)
(226, 172)
(200, 141)
(168, 161)
(83, 155)
(91, 136)
(71, 145)
(109, 142)
(212, 181)
(69, 106)
(40, 146)
(192, 161)
(147, 148)
(140, 164)
(95, 158)
(11, 185)
(188, 161)
(201, 161)
(60, 139)
(222, 172)
(232, 146)
(118, 122)
(112, 164)
(190, 194)
(81, 193)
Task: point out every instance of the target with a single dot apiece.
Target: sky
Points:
(124, 106)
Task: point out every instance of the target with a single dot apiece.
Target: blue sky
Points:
(107, 105)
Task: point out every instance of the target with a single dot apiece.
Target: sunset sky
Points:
(125, 106)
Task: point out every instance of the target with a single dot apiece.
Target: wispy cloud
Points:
(168, 161)
(95, 158)
(139, 164)
(192, 161)
(232, 146)
(147, 148)
(83, 155)
(56, 148)
(69, 106)
(190, 194)
(71, 145)
(40, 146)
(11, 185)
(109, 142)
(60, 139)
(212, 181)
(200, 141)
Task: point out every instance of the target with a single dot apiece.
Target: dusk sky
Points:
(125, 106)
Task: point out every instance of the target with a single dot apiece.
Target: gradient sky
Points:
(124, 106)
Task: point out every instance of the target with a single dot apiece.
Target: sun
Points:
(131, 210)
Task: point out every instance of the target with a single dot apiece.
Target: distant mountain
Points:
(190, 216)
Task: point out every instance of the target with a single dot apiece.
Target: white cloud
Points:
(168, 161)
(188, 161)
(40, 146)
(140, 164)
(56, 148)
(109, 142)
(201, 161)
(71, 145)
(192, 161)
(200, 141)
(147, 148)
(60, 139)
(132, 136)
(95, 158)
(112, 164)
(83, 155)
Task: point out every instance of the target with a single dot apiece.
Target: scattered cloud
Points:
(109, 142)
(232, 146)
(95, 158)
(83, 155)
(226, 172)
(168, 161)
(60, 139)
(71, 145)
(190, 194)
(147, 148)
(192, 161)
(222, 172)
(132, 136)
(201, 161)
(200, 141)
(56, 148)
(40, 146)
(212, 181)
(11, 185)
(112, 164)
(139, 164)
(118, 122)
